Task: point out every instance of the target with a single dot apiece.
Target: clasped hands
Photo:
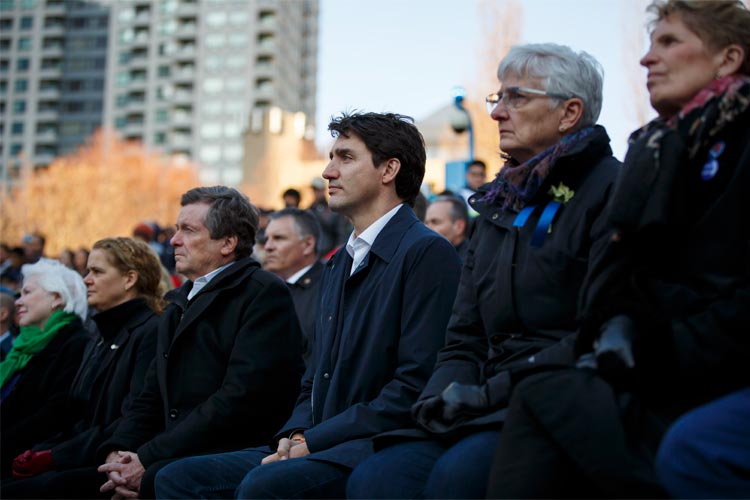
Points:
(124, 472)
(295, 447)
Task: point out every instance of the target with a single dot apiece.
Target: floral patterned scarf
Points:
(517, 184)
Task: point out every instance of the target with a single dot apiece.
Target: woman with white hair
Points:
(38, 371)
(538, 227)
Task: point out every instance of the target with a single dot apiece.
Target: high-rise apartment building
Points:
(182, 76)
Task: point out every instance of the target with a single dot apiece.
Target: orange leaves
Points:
(103, 189)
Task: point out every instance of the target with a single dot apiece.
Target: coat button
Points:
(495, 216)
(165, 355)
(330, 318)
(326, 375)
(173, 414)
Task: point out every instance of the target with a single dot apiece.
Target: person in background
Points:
(291, 198)
(37, 373)
(11, 276)
(123, 285)
(448, 216)
(334, 227)
(540, 223)
(7, 323)
(385, 300)
(476, 176)
(665, 311)
(66, 258)
(33, 247)
(292, 254)
(80, 261)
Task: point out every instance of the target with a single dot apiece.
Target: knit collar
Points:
(111, 321)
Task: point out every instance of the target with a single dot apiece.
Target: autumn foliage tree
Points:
(500, 25)
(103, 189)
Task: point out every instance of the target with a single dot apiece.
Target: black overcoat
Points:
(226, 371)
(121, 359)
(25, 413)
(376, 338)
(305, 294)
(516, 304)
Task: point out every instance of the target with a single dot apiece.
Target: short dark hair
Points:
(293, 193)
(305, 222)
(478, 163)
(230, 214)
(388, 135)
(458, 209)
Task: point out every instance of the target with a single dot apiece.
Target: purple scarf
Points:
(516, 185)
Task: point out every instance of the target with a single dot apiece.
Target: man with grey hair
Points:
(215, 384)
(292, 237)
(448, 216)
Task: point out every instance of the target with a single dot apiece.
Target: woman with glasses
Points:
(540, 222)
(666, 310)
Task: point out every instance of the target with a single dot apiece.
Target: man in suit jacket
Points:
(215, 382)
(385, 302)
(292, 238)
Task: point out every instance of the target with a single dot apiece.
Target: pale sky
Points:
(406, 55)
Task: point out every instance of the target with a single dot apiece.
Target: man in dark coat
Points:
(385, 302)
(215, 382)
(292, 237)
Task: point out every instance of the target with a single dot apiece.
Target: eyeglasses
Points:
(513, 97)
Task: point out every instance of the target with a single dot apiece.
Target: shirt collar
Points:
(357, 247)
(201, 282)
(294, 278)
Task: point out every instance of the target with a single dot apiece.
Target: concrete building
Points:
(181, 76)
(52, 62)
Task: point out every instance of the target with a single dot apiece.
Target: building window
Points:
(16, 128)
(161, 115)
(3, 86)
(22, 64)
(210, 131)
(27, 22)
(215, 40)
(213, 85)
(21, 85)
(15, 149)
(160, 138)
(210, 154)
(19, 107)
(24, 43)
(216, 18)
(28, 4)
(163, 71)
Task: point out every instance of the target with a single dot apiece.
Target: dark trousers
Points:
(240, 474)
(74, 483)
(426, 469)
(706, 453)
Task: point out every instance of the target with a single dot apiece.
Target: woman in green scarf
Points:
(38, 371)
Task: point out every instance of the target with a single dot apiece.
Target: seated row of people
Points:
(426, 378)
